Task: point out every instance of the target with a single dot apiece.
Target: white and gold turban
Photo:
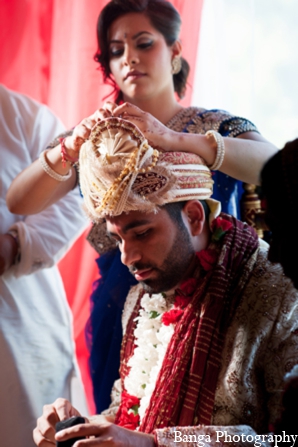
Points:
(120, 172)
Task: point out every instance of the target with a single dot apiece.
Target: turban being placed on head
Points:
(120, 172)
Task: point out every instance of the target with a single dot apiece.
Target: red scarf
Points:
(185, 388)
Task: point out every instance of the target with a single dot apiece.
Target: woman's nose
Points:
(130, 56)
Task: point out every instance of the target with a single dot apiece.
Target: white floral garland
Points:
(151, 338)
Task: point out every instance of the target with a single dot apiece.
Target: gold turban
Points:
(121, 172)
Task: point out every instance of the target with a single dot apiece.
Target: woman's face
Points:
(140, 59)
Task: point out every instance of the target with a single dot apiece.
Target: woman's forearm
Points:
(244, 158)
(33, 189)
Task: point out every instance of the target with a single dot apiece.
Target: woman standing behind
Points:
(140, 54)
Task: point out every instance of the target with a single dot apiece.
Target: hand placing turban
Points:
(120, 172)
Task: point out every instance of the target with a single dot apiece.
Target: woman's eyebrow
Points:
(140, 33)
(134, 37)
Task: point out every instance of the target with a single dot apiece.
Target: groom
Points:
(211, 328)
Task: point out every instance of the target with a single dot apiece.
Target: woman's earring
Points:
(176, 64)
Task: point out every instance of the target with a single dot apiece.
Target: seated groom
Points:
(210, 330)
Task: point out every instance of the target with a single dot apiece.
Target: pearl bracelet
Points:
(220, 153)
(46, 167)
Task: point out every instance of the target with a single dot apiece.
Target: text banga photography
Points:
(223, 437)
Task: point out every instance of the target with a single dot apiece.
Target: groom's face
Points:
(156, 249)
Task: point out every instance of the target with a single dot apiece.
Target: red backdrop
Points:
(47, 50)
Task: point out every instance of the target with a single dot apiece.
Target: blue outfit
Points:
(104, 330)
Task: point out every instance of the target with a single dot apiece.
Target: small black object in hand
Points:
(75, 420)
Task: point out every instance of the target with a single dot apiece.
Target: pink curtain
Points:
(47, 50)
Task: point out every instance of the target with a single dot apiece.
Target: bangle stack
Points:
(220, 153)
(64, 155)
(47, 168)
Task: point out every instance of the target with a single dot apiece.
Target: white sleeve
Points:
(38, 124)
(46, 237)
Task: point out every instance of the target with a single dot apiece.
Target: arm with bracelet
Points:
(52, 175)
(50, 178)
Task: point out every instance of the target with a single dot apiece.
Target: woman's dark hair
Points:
(165, 19)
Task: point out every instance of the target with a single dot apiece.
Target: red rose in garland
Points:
(207, 258)
(129, 420)
(219, 227)
(129, 417)
(172, 316)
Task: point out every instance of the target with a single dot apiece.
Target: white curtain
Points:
(247, 63)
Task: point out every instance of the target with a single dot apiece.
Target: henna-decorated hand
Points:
(82, 131)
(158, 135)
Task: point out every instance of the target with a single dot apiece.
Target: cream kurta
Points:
(37, 351)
